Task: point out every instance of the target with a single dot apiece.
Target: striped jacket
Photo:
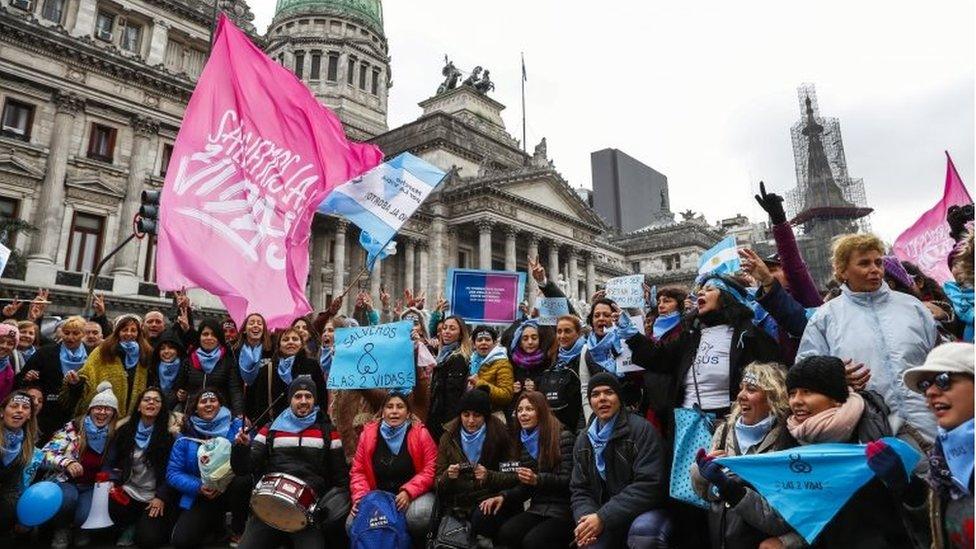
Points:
(314, 455)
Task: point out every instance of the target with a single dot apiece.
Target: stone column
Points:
(85, 19)
(552, 271)
(424, 269)
(157, 43)
(49, 212)
(317, 296)
(144, 135)
(484, 243)
(339, 260)
(375, 279)
(408, 265)
(510, 260)
(590, 275)
(437, 263)
(573, 275)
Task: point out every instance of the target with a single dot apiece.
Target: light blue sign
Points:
(370, 357)
(808, 485)
(550, 309)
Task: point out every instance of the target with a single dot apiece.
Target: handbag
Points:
(692, 430)
(453, 533)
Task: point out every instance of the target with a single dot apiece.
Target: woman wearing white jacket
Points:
(886, 331)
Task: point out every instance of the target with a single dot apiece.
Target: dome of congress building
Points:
(369, 11)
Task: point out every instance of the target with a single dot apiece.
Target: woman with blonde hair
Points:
(869, 324)
(122, 360)
(47, 368)
(450, 376)
(756, 425)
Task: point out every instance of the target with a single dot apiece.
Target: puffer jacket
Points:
(423, 454)
(498, 377)
(635, 470)
(888, 332)
(313, 455)
(65, 447)
(550, 496)
(183, 469)
(752, 520)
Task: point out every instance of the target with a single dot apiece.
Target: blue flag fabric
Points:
(722, 258)
(380, 201)
(370, 357)
(808, 485)
(692, 430)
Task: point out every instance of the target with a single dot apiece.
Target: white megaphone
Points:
(98, 515)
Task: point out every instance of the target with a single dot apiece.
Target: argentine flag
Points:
(380, 201)
(722, 258)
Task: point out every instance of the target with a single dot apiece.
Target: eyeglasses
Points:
(156, 400)
(943, 381)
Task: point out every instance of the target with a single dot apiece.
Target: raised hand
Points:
(384, 299)
(754, 266)
(772, 203)
(11, 309)
(98, 304)
(38, 305)
(537, 270)
(335, 306)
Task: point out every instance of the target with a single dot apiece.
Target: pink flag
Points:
(254, 157)
(927, 243)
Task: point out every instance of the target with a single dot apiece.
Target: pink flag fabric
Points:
(255, 156)
(927, 243)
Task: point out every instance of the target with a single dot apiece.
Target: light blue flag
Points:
(367, 357)
(550, 309)
(722, 258)
(380, 201)
(808, 485)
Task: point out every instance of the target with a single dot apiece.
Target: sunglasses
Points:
(943, 381)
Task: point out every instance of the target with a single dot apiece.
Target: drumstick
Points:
(275, 401)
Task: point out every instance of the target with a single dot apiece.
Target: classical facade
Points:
(93, 92)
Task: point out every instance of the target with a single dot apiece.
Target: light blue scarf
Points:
(284, 368)
(12, 443)
(394, 435)
(517, 336)
(248, 362)
(530, 440)
(131, 351)
(751, 435)
(288, 422)
(72, 360)
(472, 443)
(168, 370)
(96, 436)
(477, 360)
(209, 359)
(28, 352)
(216, 427)
(143, 434)
(957, 445)
(606, 350)
(664, 324)
(325, 361)
(962, 303)
(4, 363)
(599, 438)
(566, 356)
(445, 351)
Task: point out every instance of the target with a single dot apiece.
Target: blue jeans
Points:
(75, 503)
(650, 530)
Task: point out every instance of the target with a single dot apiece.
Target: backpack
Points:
(560, 386)
(378, 524)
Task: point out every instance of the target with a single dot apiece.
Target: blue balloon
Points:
(39, 503)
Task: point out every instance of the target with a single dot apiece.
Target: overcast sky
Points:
(705, 92)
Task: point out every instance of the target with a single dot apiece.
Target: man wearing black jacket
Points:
(618, 475)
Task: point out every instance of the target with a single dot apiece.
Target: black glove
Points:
(772, 203)
(729, 489)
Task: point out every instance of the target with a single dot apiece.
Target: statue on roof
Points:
(688, 215)
(484, 85)
(540, 156)
(473, 78)
(451, 76)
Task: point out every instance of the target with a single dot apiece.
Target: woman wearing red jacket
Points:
(397, 455)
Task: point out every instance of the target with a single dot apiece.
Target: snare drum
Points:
(283, 502)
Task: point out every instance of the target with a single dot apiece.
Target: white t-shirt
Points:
(711, 366)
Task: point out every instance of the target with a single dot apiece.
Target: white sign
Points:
(627, 291)
(4, 256)
(624, 361)
(550, 309)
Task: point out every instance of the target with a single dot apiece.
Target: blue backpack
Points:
(378, 524)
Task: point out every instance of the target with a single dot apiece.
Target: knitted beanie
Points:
(603, 379)
(301, 383)
(104, 397)
(821, 374)
(475, 400)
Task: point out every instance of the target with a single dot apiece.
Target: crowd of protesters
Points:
(522, 437)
